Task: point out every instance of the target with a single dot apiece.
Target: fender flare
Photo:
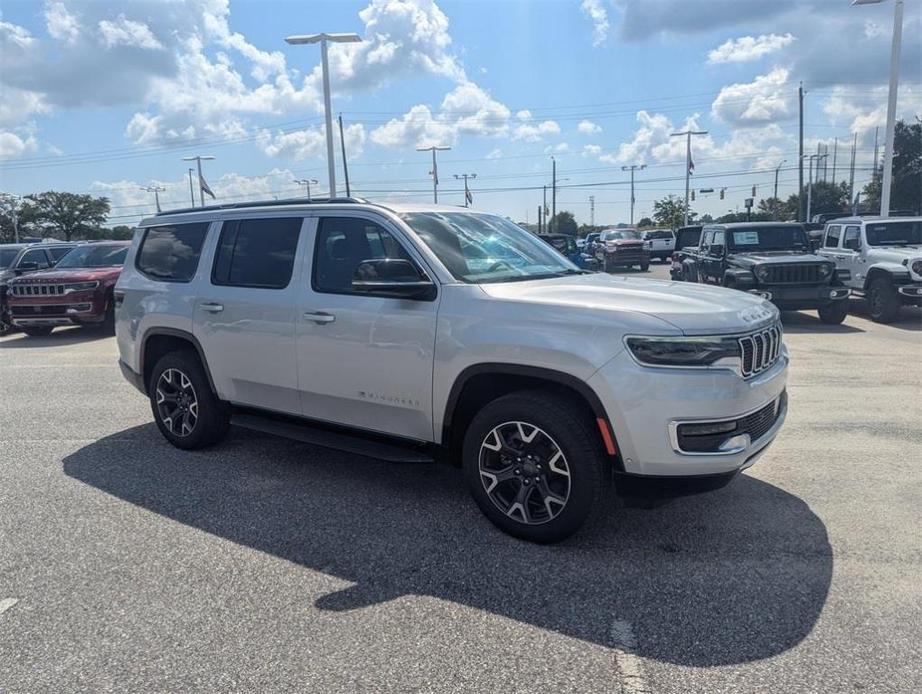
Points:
(181, 334)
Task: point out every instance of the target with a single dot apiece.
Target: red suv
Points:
(76, 291)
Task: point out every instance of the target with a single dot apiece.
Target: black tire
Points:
(644, 267)
(689, 274)
(883, 300)
(6, 325)
(38, 330)
(551, 424)
(196, 418)
(834, 313)
(606, 266)
(107, 326)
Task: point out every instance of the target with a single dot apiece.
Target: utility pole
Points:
(553, 192)
(800, 169)
(592, 210)
(306, 182)
(191, 189)
(812, 158)
(156, 190)
(468, 198)
(851, 172)
(632, 168)
(544, 206)
(835, 155)
(435, 168)
(201, 186)
(323, 40)
(539, 219)
(776, 204)
(689, 165)
(876, 131)
(342, 144)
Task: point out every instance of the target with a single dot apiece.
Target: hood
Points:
(695, 309)
(77, 274)
(896, 254)
(626, 242)
(776, 257)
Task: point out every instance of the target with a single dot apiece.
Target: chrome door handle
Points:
(212, 307)
(319, 317)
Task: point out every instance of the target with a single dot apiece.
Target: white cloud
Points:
(416, 128)
(766, 99)
(534, 133)
(587, 127)
(61, 24)
(591, 150)
(748, 48)
(595, 10)
(495, 153)
(862, 112)
(524, 114)
(13, 145)
(124, 31)
(303, 144)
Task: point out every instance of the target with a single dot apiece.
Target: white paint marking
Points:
(6, 604)
(629, 663)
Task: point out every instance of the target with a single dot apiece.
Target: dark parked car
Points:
(685, 237)
(773, 260)
(565, 244)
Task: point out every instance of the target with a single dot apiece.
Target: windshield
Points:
(94, 256)
(621, 234)
(767, 239)
(657, 235)
(894, 233)
(7, 255)
(481, 248)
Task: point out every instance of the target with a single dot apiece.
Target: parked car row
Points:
(878, 259)
(47, 285)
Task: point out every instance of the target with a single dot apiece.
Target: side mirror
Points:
(718, 251)
(392, 277)
(853, 244)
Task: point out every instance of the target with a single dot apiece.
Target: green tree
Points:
(706, 219)
(670, 212)
(564, 223)
(826, 197)
(773, 208)
(645, 222)
(67, 213)
(906, 187)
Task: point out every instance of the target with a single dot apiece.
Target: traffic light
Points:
(722, 191)
(753, 191)
(693, 196)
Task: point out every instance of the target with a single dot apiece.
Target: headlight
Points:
(762, 272)
(916, 267)
(682, 351)
(79, 287)
(825, 271)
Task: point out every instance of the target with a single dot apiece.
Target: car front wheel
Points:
(535, 466)
(834, 313)
(883, 300)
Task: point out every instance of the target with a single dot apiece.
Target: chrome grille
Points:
(760, 350)
(795, 273)
(19, 289)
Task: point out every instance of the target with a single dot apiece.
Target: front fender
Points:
(899, 274)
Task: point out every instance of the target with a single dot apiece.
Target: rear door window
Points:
(170, 253)
(832, 236)
(37, 256)
(58, 252)
(258, 253)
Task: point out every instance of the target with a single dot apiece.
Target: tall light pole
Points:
(632, 168)
(191, 189)
(812, 158)
(435, 168)
(688, 162)
(467, 193)
(775, 206)
(323, 40)
(592, 210)
(891, 101)
(156, 190)
(553, 191)
(198, 160)
(306, 182)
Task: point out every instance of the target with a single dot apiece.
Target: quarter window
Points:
(852, 234)
(58, 252)
(343, 243)
(257, 252)
(170, 253)
(833, 231)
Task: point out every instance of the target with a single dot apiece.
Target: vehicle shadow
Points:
(797, 322)
(734, 576)
(60, 337)
(909, 318)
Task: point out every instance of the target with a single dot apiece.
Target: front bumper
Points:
(79, 308)
(911, 294)
(795, 298)
(644, 404)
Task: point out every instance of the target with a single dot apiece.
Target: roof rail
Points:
(262, 203)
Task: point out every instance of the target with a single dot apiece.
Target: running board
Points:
(317, 436)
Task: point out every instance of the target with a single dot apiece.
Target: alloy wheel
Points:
(177, 403)
(524, 472)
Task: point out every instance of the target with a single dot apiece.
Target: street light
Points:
(323, 39)
(891, 100)
(307, 182)
(775, 196)
(435, 168)
(812, 157)
(632, 168)
(201, 182)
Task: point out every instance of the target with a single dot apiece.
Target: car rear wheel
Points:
(834, 313)
(644, 266)
(186, 409)
(535, 466)
(37, 330)
(883, 300)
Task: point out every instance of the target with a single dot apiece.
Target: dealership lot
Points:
(270, 565)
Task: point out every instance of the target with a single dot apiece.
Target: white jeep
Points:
(413, 332)
(884, 260)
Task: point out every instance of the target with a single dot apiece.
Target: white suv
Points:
(413, 332)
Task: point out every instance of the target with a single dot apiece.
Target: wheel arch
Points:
(481, 383)
(159, 341)
(892, 273)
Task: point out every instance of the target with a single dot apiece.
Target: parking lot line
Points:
(6, 604)
(629, 663)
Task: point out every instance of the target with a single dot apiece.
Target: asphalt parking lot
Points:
(269, 565)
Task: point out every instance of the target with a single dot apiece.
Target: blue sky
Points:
(106, 97)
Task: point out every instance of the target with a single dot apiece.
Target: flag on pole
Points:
(469, 196)
(691, 165)
(204, 186)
